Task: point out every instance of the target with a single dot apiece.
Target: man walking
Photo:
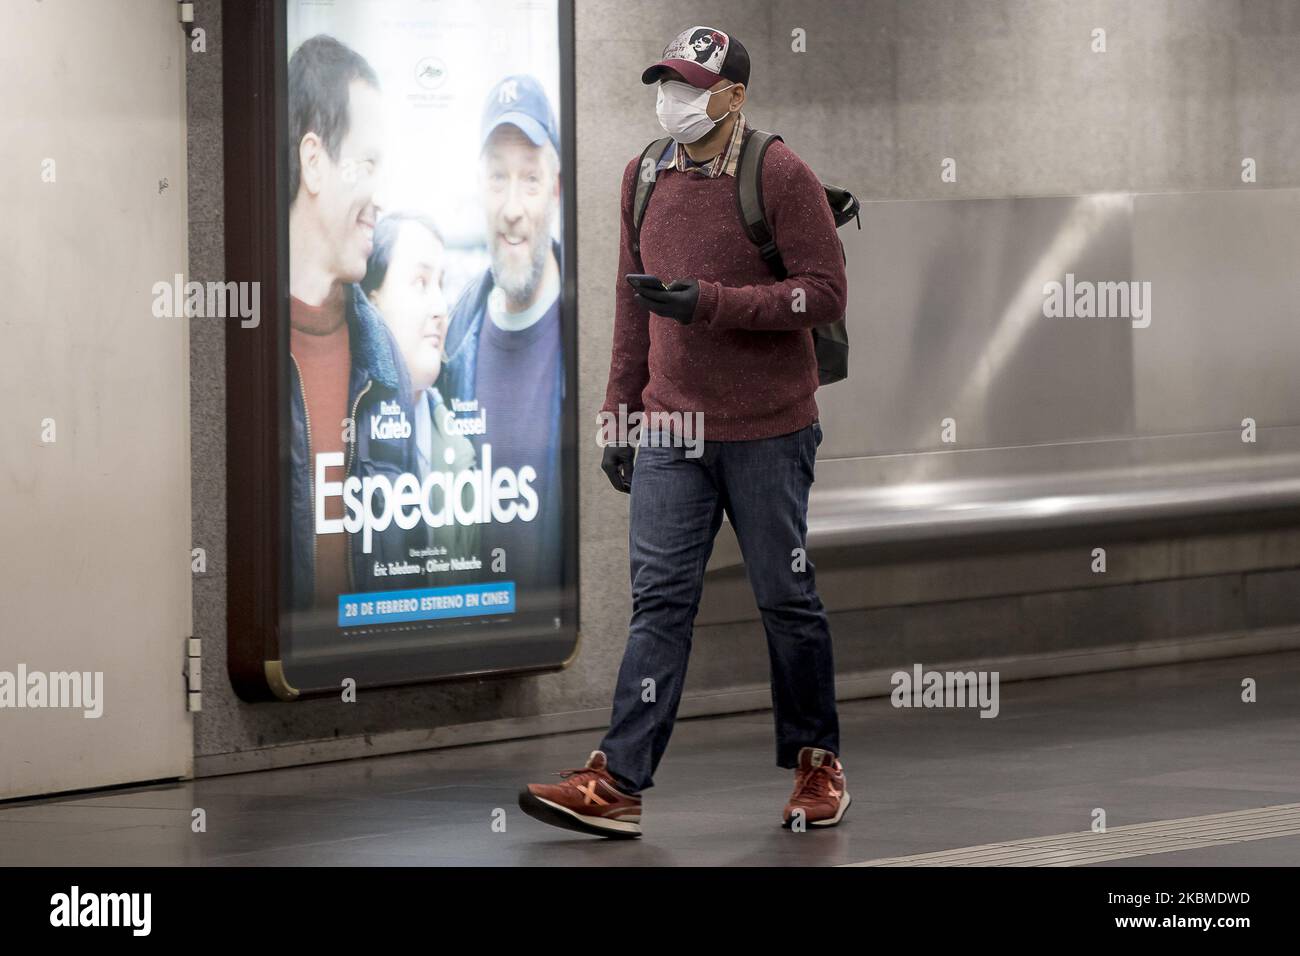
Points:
(724, 339)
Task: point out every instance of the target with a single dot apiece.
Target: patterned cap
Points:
(702, 55)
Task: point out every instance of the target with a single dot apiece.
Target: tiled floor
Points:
(1146, 744)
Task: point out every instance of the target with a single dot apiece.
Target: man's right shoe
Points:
(587, 801)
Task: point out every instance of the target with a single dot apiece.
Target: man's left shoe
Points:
(821, 794)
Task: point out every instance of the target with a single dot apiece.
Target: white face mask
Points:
(683, 110)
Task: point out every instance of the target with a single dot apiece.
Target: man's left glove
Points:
(677, 302)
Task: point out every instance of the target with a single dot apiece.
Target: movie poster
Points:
(429, 504)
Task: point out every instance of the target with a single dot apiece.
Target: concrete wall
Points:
(1010, 89)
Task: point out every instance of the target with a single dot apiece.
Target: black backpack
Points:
(830, 341)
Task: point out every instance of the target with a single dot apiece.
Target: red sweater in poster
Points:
(318, 342)
(746, 361)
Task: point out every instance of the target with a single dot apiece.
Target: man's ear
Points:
(738, 94)
(311, 159)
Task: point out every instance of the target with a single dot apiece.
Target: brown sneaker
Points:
(821, 793)
(587, 801)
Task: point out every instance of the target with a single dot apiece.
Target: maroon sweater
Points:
(746, 361)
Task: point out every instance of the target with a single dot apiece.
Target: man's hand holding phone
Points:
(676, 301)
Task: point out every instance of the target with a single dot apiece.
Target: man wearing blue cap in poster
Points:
(504, 342)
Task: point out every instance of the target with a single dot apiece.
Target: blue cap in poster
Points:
(520, 101)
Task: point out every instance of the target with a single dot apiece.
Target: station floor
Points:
(1186, 772)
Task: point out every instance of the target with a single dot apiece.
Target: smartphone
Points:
(637, 281)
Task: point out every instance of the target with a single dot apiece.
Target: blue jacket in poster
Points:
(459, 381)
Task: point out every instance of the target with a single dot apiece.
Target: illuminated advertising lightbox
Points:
(424, 394)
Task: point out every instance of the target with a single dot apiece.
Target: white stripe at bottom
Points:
(1119, 843)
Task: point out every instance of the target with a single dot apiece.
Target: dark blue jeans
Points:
(676, 510)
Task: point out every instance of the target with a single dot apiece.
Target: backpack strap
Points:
(645, 184)
(749, 196)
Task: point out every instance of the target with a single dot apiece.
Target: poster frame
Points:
(254, 129)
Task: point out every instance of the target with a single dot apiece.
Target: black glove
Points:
(677, 302)
(616, 462)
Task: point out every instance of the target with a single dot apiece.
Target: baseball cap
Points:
(520, 101)
(702, 55)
